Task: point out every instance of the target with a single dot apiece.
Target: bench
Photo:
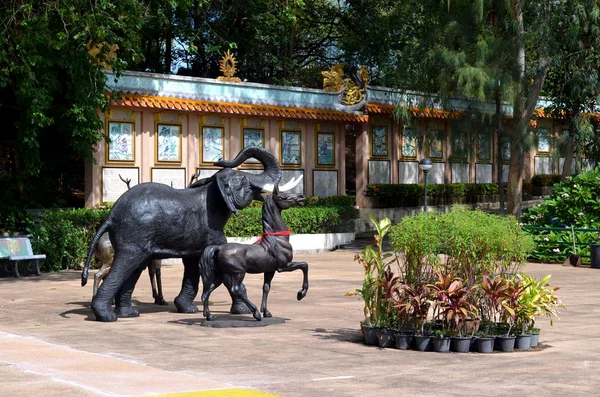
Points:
(16, 250)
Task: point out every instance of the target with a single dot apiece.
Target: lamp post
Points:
(425, 165)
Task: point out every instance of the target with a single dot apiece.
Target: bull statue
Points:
(154, 221)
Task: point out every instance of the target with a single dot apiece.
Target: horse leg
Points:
(184, 302)
(156, 282)
(290, 267)
(124, 265)
(236, 290)
(99, 276)
(123, 306)
(237, 305)
(266, 289)
(208, 286)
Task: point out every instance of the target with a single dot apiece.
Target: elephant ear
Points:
(223, 178)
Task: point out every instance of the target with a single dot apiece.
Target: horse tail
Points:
(101, 230)
(207, 263)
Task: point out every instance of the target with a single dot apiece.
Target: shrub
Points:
(417, 240)
(300, 220)
(574, 202)
(474, 242)
(545, 180)
(65, 235)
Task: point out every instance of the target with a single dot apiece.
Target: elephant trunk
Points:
(272, 173)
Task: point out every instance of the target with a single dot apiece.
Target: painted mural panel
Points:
(168, 142)
(212, 144)
(121, 145)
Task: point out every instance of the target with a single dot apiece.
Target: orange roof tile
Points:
(145, 101)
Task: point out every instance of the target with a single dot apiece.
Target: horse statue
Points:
(271, 252)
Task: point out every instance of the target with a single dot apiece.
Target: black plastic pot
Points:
(441, 345)
(484, 344)
(423, 343)
(523, 342)
(595, 255)
(370, 334)
(461, 344)
(505, 343)
(403, 341)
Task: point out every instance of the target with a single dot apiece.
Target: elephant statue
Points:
(154, 221)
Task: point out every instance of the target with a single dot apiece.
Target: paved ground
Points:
(50, 345)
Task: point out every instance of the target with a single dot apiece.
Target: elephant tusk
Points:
(288, 186)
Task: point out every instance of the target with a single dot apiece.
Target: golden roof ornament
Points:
(332, 78)
(227, 66)
(352, 93)
(363, 75)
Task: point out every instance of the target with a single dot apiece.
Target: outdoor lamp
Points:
(425, 164)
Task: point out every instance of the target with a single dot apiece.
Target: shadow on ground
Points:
(342, 334)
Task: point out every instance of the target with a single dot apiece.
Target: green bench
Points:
(16, 250)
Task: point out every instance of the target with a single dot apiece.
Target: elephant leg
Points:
(208, 286)
(123, 306)
(159, 299)
(184, 302)
(99, 276)
(124, 265)
(266, 289)
(236, 290)
(156, 282)
(237, 305)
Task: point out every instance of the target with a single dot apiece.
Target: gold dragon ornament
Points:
(333, 81)
(354, 94)
(227, 64)
(332, 78)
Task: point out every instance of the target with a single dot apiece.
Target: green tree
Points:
(573, 82)
(52, 57)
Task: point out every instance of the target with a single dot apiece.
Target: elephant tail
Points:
(101, 230)
(207, 263)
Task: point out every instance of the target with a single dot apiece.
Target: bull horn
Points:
(288, 186)
(270, 176)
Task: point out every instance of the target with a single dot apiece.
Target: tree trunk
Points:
(566, 171)
(525, 103)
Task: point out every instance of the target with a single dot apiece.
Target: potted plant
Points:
(453, 308)
(388, 315)
(541, 300)
(510, 308)
(493, 293)
(415, 307)
(373, 260)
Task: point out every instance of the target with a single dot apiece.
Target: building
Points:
(165, 128)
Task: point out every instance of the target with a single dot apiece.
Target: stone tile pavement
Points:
(50, 345)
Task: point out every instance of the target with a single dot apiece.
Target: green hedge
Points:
(65, 235)
(413, 190)
(411, 195)
(545, 180)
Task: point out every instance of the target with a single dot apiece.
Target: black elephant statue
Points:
(154, 221)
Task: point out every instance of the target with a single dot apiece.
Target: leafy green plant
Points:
(373, 291)
(65, 235)
(537, 300)
(417, 242)
(573, 203)
(512, 312)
